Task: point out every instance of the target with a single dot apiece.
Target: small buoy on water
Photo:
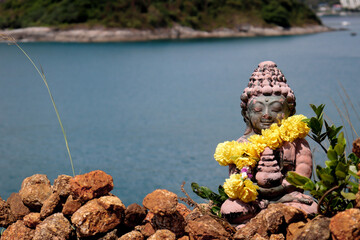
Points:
(353, 34)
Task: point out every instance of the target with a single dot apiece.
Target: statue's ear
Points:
(245, 114)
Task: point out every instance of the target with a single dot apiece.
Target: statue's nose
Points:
(266, 116)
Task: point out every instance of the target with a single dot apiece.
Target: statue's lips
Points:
(266, 123)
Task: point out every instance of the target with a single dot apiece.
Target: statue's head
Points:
(267, 98)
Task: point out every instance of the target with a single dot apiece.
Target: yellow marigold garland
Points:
(247, 154)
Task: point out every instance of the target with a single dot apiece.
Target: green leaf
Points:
(315, 125)
(331, 164)
(202, 192)
(341, 139)
(332, 155)
(354, 159)
(339, 148)
(216, 210)
(309, 186)
(340, 174)
(348, 196)
(296, 179)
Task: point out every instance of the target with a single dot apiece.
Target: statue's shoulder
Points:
(242, 139)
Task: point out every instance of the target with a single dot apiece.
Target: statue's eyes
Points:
(257, 109)
(277, 107)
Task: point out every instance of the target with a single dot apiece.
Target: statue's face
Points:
(266, 110)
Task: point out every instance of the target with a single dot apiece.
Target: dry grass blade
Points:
(12, 41)
(349, 101)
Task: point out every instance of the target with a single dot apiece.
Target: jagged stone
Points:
(35, 190)
(18, 209)
(55, 226)
(71, 206)
(112, 235)
(62, 185)
(50, 205)
(98, 216)
(91, 185)
(294, 230)
(163, 235)
(174, 222)
(6, 216)
(206, 227)
(316, 229)
(32, 220)
(134, 215)
(346, 225)
(161, 201)
(146, 230)
(18, 230)
(133, 235)
(279, 236)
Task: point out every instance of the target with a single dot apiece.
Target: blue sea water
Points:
(151, 113)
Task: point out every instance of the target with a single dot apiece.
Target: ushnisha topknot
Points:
(267, 80)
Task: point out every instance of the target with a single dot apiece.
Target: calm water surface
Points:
(151, 113)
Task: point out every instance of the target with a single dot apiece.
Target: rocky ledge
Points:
(82, 207)
(46, 34)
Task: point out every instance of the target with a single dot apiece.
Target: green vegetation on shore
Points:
(147, 14)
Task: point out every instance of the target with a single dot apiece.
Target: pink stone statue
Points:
(265, 101)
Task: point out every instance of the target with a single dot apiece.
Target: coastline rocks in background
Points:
(161, 201)
(35, 190)
(17, 207)
(91, 185)
(32, 220)
(134, 215)
(54, 227)
(62, 185)
(346, 225)
(18, 230)
(98, 216)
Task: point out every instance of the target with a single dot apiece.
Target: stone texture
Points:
(133, 235)
(356, 147)
(18, 209)
(205, 228)
(110, 235)
(183, 210)
(146, 230)
(62, 185)
(277, 237)
(258, 237)
(50, 205)
(161, 202)
(18, 230)
(316, 229)
(134, 215)
(32, 220)
(294, 229)
(184, 238)
(6, 217)
(98, 216)
(271, 221)
(54, 227)
(174, 222)
(71, 206)
(163, 235)
(91, 185)
(346, 225)
(35, 190)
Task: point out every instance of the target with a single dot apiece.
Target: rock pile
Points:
(82, 207)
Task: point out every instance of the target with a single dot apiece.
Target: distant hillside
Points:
(148, 14)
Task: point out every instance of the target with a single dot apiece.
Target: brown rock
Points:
(91, 185)
(18, 230)
(356, 147)
(133, 235)
(277, 237)
(54, 227)
(6, 216)
(162, 235)
(184, 238)
(32, 220)
(71, 205)
(258, 237)
(149, 217)
(292, 214)
(35, 190)
(161, 202)
(316, 229)
(50, 205)
(62, 185)
(183, 210)
(293, 230)
(110, 235)
(346, 225)
(18, 209)
(134, 215)
(146, 230)
(174, 222)
(98, 216)
(206, 227)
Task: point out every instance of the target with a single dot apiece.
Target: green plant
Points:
(336, 187)
(12, 41)
(206, 193)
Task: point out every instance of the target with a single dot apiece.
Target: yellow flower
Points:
(272, 137)
(227, 152)
(237, 188)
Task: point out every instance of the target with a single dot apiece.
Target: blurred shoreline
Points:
(47, 34)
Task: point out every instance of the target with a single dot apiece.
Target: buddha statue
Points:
(267, 100)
